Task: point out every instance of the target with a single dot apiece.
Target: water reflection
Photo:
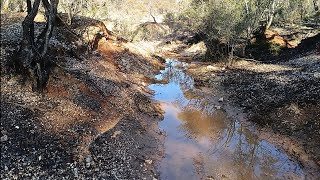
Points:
(203, 142)
(199, 125)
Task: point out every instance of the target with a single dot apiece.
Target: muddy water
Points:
(205, 139)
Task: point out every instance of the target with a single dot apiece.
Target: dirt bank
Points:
(282, 98)
(92, 121)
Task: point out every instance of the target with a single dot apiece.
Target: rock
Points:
(221, 99)
(76, 172)
(148, 161)
(115, 134)
(17, 127)
(4, 138)
(211, 68)
(88, 159)
(88, 165)
(218, 107)
(316, 75)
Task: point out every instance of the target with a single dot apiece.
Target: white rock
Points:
(212, 68)
(88, 165)
(149, 161)
(218, 107)
(221, 99)
(76, 172)
(88, 159)
(115, 134)
(4, 138)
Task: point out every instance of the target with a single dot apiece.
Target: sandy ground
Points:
(94, 120)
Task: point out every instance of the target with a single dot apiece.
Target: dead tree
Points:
(33, 50)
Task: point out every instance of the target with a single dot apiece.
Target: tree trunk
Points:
(154, 18)
(315, 4)
(249, 24)
(270, 15)
(33, 54)
(230, 57)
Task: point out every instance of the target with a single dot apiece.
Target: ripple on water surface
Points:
(203, 142)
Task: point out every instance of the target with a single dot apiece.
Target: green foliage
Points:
(274, 49)
(229, 22)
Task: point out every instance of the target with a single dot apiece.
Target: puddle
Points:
(205, 141)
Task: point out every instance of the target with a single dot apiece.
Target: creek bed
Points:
(205, 140)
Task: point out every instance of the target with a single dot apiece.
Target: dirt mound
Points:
(58, 134)
(278, 46)
(308, 45)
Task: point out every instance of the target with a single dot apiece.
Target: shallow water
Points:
(205, 140)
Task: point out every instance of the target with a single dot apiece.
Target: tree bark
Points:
(315, 4)
(271, 15)
(249, 24)
(33, 54)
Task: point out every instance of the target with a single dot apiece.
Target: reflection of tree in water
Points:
(176, 75)
(200, 125)
(248, 154)
(202, 120)
(199, 100)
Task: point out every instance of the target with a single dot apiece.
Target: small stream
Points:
(205, 140)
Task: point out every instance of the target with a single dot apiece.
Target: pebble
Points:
(88, 159)
(149, 161)
(218, 107)
(88, 165)
(76, 173)
(211, 68)
(115, 134)
(4, 138)
(221, 99)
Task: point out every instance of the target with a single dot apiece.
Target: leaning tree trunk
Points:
(33, 50)
(270, 15)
